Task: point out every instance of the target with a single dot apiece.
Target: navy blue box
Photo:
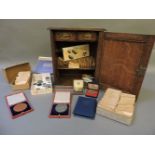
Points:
(85, 107)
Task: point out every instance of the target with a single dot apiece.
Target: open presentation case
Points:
(18, 104)
(92, 90)
(61, 104)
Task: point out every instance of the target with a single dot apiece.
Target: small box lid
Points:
(12, 71)
(93, 86)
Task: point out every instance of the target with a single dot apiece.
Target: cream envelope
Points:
(73, 65)
(126, 112)
(22, 78)
(110, 99)
(124, 107)
(127, 99)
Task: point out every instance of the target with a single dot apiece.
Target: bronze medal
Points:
(20, 107)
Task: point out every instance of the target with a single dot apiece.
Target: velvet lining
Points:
(54, 112)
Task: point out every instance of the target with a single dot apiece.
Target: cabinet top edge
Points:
(75, 29)
(129, 34)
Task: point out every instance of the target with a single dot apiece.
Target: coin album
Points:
(61, 106)
(18, 104)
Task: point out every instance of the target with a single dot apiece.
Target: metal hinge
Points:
(141, 71)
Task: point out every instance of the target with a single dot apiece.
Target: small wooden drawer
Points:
(65, 36)
(90, 36)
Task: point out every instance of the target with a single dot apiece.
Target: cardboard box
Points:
(12, 72)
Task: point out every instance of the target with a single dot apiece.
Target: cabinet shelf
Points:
(76, 68)
(76, 41)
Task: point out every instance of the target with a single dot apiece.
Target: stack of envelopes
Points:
(22, 77)
(117, 105)
(126, 105)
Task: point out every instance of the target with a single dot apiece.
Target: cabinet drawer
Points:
(65, 36)
(90, 36)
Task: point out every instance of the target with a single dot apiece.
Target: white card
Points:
(62, 97)
(15, 98)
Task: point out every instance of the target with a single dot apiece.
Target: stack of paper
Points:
(110, 99)
(126, 105)
(22, 78)
(117, 105)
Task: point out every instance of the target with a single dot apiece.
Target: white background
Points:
(77, 144)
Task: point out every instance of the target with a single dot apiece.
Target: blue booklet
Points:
(44, 65)
(85, 107)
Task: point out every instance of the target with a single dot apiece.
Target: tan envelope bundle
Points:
(126, 105)
(85, 62)
(22, 77)
(117, 105)
(73, 65)
(110, 99)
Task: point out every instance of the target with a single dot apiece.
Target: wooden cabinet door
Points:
(123, 60)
